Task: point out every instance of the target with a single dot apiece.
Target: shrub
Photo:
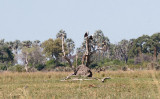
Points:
(130, 61)
(3, 67)
(40, 67)
(114, 68)
(93, 65)
(117, 62)
(50, 62)
(124, 68)
(137, 60)
(107, 60)
(16, 68)
(157, 67)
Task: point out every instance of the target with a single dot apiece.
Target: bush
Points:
(51, 62)
(40, 67)
(114, 68)
(16, 68)
(107, 60)
(3, 67)
(130, 61)
(117, 62)
(93, 65)
(124, 68)
(157, 67)
(137, 60)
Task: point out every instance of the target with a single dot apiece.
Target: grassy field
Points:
(41, 85)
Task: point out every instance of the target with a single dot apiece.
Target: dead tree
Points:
(87, 54)
(83, 69)
(64, 53)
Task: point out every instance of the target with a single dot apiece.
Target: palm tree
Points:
(27, 44)
(59, 34)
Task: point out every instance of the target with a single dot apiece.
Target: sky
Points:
(42, 19)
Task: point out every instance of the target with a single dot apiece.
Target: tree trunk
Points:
(26, 63)
(65, 57)
(155, 54)
(140, 54)
(86, 57)
(126, 59)
(76, 60)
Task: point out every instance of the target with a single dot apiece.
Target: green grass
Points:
(40, 85)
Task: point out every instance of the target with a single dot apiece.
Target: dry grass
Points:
(40, 85)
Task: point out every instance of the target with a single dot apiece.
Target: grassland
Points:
(41, 85)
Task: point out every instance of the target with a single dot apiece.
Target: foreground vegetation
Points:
(47, 85)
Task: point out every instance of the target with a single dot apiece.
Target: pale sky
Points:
(42, 19)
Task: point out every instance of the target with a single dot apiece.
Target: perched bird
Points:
(86, 34)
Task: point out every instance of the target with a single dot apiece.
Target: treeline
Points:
(48, 55)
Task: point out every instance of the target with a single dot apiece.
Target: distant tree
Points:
(26, 56)
(2, 42)
(122, 49)
(53, 48)
(6, 54)
(36, 43)
(27, 43)
(99, 39)
(26, 52)
(153, 45)
(16, 46)
(32, 56)
(70, 46)
(138, 47)
(101, 43)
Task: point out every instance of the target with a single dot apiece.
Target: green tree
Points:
(15, 46)
(122, 49)
(138, 47)
(26, 52)
(27, 43)
(52, 49)
(70, 46)
(101, 44)
(6, 55)
(153, 45)
(32, 56)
